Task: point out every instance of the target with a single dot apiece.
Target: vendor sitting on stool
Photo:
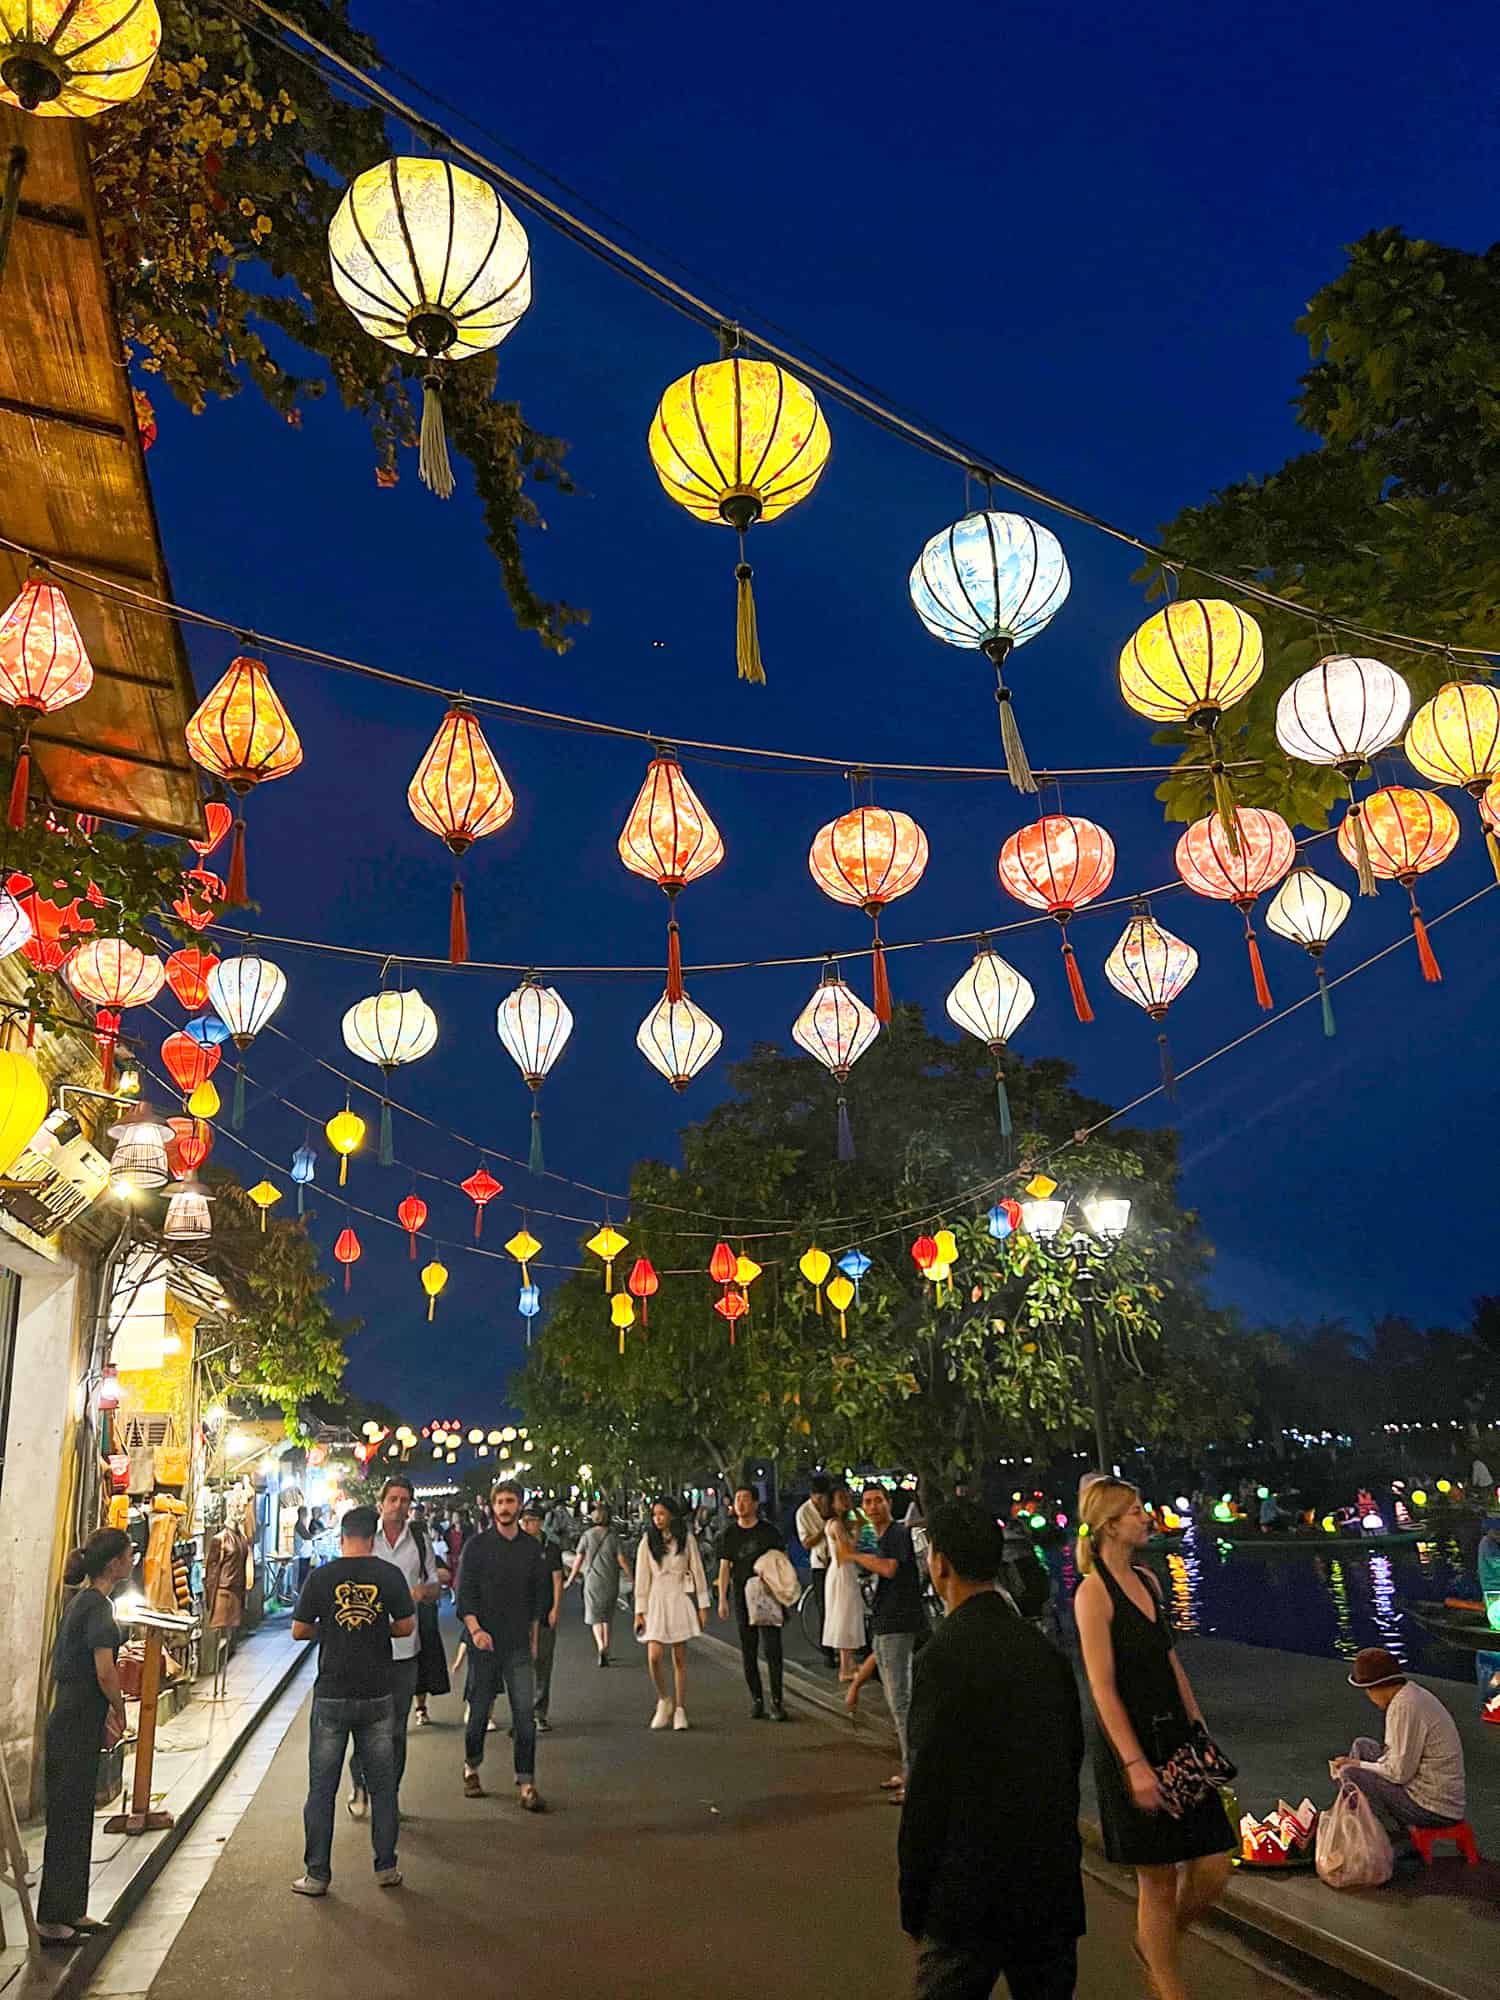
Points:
(1417, 1778)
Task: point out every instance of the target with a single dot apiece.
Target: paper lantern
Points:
(643, 1284)
(991, 582)
(1004, 1218)
(207, 1029)
(854, 1264)
(188, 1219)
(990, 1002)
(188, 1062)
(434, 1277)
(1057, 864)
(241, 733)
(529, 1304)
(187, 975)
(947, 1245)
(345, 1132)
(191, 1143)
(43, 664)
(76, 58)
(606, 1244)
(1196, 658)
(734, 1305)
(15, 925)
(841, 1296)
(246, 992)
(1455, 739)
(459, 793)
(481, 1187)
(202, 897)
(739, 441)
(1342, 713)
(836, 1027)
(534, 1024)
(622, 1314)
(1238, 866)
(304, 1172)
(411, 1213)
(868, 857)
(523, 1246)
(217, 819)
(23, 1105)
(265, 1194)
(1308, 911)
(113, 975)
(1151, 966)
(52, 924)
(924, 1254)
(746, 1271)
(346, 1250)
(721, 1265)
(390, 1029)
(429, 260)
(1409, 832)
(203, 1101)
(815, 1264)
(670, 839)
(678, 1040)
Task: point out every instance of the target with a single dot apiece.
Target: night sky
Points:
(1078, 239)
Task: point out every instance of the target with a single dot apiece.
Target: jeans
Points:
(546, 1651)
(1381, 1792)
(486, 1672)
(371, 1724)
(751, 1639)
(403, 1688)
(894, 1653)
(1047, 1971)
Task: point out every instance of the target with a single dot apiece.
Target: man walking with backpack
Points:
(402, 1542)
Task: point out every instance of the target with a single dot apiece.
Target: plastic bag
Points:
(1353, 1851)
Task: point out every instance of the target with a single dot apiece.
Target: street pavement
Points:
(739, 1859)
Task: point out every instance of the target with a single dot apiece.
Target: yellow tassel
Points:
(843, 1328)
(609, 1276)
(622, 1340)
(431, 1307)
(818, 1302)
(1224, 807)
(747, 638)
(343, 1169)
(1494, 848)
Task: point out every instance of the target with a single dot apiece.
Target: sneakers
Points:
(544, 1727)
(778, 1713)
(358, 1803)
(662, 1719)
(679, 1718)
(388, 1878)
(472, 1787)
(309, 1885)
(757, 1710)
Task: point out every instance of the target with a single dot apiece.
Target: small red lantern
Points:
(189, 1062)
(924, 1254)
(347, 1251)
(202, 898)
(731, 1307)
(412, 1215)
(218, 819)
(192, 1141)
(481, 1187)
(723, 1264)
(187, 975)
(643, 1283)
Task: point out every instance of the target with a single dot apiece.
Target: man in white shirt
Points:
(404, 1545)
(1417, 1777)
(812, 1533)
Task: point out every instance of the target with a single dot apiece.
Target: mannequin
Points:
(226, 1560)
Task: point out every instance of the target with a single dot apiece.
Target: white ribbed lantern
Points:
(1307, 910)
(990, 1002)
(678, 1039)
(246, 992)
(534, 1024)
(1342, 712)
(836, 1027)
(389, 1029)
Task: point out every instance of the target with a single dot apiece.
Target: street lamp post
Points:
(1084, 1236)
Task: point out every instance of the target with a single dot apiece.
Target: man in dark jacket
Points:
(503, 1593)
(989, 1848)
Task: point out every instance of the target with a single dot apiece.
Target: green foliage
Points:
(215, 189)
(936, 1383)
(1393, 522)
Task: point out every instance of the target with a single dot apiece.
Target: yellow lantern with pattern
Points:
(1194, 659)
(75, 58)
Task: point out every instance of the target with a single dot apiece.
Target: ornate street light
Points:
(1083, 1236)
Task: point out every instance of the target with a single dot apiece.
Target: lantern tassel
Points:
(431, 1306)
(535, 1162)
(411, 1246)
(1263, 998)
(107, 1046)
(1224, 803)
(343, 1169)
(235, 892)
(387, 1152)
(674, 960)
(645, 1312)
(622, 1343)
(843, 1327)
(846, 1132)
(478, 1220)
(346, 1277)
(1081, 1005)
(237, 1103)
(434, 466)
(263, 1222)
(1329, 1025)
(1362, 865)
(1431, 971)
(1017, 767)
(458, 927)
(1493, 848)
(882, 982)
(20, 787)
(1168, 1070)
(1002, 1103)
(301, 1207)
(746, 633)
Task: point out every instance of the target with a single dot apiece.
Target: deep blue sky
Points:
(1080, 240)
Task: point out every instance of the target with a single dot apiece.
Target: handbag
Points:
(761, 1607)
(1194, 1771)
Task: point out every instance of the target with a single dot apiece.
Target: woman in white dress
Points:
(843, 1602)
(671, 1605)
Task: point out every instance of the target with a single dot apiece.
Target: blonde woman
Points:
(1146, 1709)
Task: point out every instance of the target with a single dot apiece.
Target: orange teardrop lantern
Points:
(347, 1250)
(192, 1141)
(643, 1284)
(187, 975)
(732, 1306)
(868, 857)
(723, 1264)
(670, 839)
(412, 1215)
(1237, 866)
(1057, 864)
(241, 733)
(43, 667)
(1407, 832)
(459, 793)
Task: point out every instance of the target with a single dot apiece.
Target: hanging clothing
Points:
(225, 1581)
(669, 1594)
(843, 1601)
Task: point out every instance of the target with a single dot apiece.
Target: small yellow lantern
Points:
(434, 1277)
(815, 1264)
(523, 1246)
(607, 1243)
(265, 1195)
(841, 1297)
(204, 1102)
(345, 1131)
(622, 1314)
(23, 1105)
(746, 1270)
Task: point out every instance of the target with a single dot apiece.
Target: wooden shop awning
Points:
(73, 487)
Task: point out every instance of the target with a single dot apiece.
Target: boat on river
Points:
(1314, 1541)
(1457, 1621)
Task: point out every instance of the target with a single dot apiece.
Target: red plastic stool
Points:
(1425, 1838)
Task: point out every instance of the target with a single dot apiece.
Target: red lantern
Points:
(670, 839)
(1236, 867)
(412, 1215)
(218, 819)
(189, 1062)
(187, 975)
(869, 857)
(481, 1187)
(1408, 831)
(202, 897)
(924, 1254)
(1058, 864)
(192, 1141)
(50, 924)
(643, 1283)
(731, 1307)
(114, 975)
(723, 1264)
(346, 1249)
(43, 667)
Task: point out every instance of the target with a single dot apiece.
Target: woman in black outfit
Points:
(86, 1690)
(1146, 1709)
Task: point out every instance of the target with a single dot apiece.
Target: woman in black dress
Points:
(87, 1690)
(1145, 1709)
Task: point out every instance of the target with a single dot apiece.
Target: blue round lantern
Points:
(854, 1264)
(207, 1030)
(991, 582)
(1000, 1224)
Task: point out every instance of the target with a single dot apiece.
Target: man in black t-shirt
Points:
(353, 1607)
(741, 1545)
(898, 1619)
(532, 1519)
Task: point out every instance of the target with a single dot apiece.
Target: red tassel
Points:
(478, 1220)
(236, 894)
(1081, 1005)
(882, 985)
(109, 1064)
(1263, 998)
(346, 1277)
(674, 961)
(458, 928)
(645, 1312)
(20, 786)
(1432, 972)
(412, 1248)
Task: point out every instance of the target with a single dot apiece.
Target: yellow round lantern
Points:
(23, 1105)
(76, 58)
(841, 1297)
(1455, 740)
(1195, 658)
(815, 1264)
(345, 1130)
(204, 1102)
(434, 1277)
(739, 441)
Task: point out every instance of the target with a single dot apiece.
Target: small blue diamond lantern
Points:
(854, 1264)
(304, 1169)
